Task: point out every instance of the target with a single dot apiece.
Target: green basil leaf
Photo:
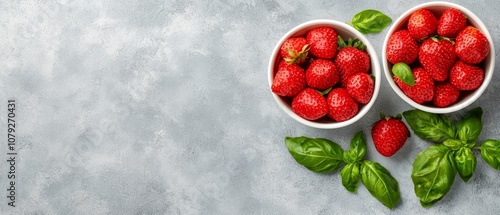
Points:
(357, 149)
(380, 183)
(470, 126)
(433, 174)
(490, 151)
(316, 154)
(403, 72)
(466, 162)
(428, 126)
(350, 176)
(370, 21)
(453, 144)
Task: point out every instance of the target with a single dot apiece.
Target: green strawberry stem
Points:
(356, 43)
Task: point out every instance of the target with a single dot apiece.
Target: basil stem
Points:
(428, 126)
(490, 152)
(316, 154)
(380, 183)
(433, 174)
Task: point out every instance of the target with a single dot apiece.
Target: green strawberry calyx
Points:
(356, 43)
(299, 57)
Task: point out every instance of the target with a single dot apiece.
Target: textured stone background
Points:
(163, 107)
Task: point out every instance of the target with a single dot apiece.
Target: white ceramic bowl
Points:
(346, 31)
(437, 8)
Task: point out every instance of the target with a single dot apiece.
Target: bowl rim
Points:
(489, 68)
(374, 64)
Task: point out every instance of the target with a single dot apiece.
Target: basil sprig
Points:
(324, 156)
(370, 21)
(435, 168)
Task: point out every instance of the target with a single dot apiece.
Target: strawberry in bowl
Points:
(324, 74)
(447, 42)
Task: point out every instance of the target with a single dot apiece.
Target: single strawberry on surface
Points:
(289, 80)
(471, 46)
(437, 56)
(389, 134)
(402, 47)
(322, 42)
(360, 87)
(445, 94)
(351, 59)
(465, 76)
(451, 22)
(423, 88)
(422, 23)
(341, 106)
(322, 74)
(309, 104)
(294, 50)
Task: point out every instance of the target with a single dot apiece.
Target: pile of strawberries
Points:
(444, 53)
(323, 75)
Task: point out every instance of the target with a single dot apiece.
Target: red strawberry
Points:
(341, 106)
(294, 50)
(445, 94)
(437, 56)
(322, 42)
(389, 134)
(401, 47)
(351, 59)
(423, 89)
(310, 104)
(289, 80)
(451, 22)
(465, 76)
(471, 46)
(422, 24)
(322, 74)
(360, 87)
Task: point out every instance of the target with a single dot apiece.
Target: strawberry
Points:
(389, 134)
(401, 47)
(289, 80)
(309, 104)
(351, 59)
(322, 74)
(423, 89)
(322, 42)
(437, 56)
(471, 46)
(445, 94)
(465, 76)
(422, 23)
(294, 50)
(360, 87)
(451, 22)
(341, 106)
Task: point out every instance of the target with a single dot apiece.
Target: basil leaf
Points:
(350, 176)
(428, 126)
(453, 144)
(490, 151)
(470, 126)
(316, 154)
(403, 72)
(380, 183)
(357, 149)
(433, 174)
(465, 162)
(370, 21)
